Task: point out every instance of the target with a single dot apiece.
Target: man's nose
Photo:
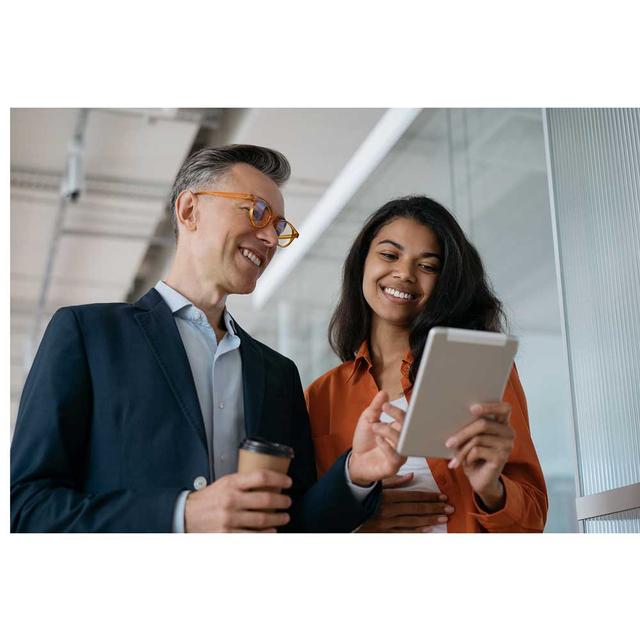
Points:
(268, 235)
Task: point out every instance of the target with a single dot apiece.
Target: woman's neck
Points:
(388, 345)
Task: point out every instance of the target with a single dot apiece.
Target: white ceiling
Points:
(130, 164)
(317, 143)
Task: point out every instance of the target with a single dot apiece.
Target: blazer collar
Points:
(181, 306)
(158, 325)
(253, 381)
(149, 301)
(159, 328)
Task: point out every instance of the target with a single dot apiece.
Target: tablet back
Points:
(458, 368)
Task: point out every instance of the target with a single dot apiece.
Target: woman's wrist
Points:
(493, 498)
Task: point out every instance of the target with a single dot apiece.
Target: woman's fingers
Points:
(482, 426)
(400, 509)
(412, 522)
(397, 481)
(499, 444)
(492, 419)
(480, 453)
(499, 411)
(413, 496)
(486, 454)
(375, 527)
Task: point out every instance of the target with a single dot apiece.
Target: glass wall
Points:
(488, 167)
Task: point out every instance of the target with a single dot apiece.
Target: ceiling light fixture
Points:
(384, 135)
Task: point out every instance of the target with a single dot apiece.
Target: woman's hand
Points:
(373, 454)
(483, 448)
(407, 511)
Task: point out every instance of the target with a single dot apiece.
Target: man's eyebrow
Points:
(268, 203)
(397, 245)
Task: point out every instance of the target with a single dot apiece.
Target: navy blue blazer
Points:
(109, 428)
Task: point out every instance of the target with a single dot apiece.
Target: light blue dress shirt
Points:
(217, 374)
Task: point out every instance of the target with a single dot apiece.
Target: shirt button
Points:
(199, 483)
(221, 405)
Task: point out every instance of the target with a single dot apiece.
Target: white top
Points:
(422, 477)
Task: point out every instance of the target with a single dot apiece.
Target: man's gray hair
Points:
(205, 166)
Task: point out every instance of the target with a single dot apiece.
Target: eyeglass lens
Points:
(261, 213)
(281, 226)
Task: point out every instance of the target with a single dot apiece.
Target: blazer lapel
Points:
(252, 382)
(159, 328)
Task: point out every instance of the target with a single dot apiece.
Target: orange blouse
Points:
(336, 400)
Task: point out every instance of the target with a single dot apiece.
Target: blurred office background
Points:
(551, 199)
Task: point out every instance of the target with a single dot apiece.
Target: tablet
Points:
(459, 367)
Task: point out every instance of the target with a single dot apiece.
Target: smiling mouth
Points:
(395, 295)
(255, 260)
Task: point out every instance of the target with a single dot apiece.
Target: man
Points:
(132, 414)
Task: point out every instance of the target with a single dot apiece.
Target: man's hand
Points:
(239, 502)
(483, 448)
(373, 455)
(407, 511)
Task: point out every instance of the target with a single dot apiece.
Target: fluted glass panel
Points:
(595, 167)
(623, 522)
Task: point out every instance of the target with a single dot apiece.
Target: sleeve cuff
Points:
(509, 514)
(178, 513)
(358, 492)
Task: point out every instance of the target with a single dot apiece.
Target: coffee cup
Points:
(258, 453)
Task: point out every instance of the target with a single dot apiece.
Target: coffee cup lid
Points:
(262, 445)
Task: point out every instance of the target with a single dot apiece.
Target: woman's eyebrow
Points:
(397, 245)
(392, 242)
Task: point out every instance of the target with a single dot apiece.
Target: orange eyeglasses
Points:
(260, 215)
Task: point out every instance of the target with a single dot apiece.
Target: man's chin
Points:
(243, 288)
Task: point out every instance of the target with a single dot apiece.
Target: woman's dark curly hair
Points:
(462, 296)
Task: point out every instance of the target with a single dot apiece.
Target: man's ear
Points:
(186, 212)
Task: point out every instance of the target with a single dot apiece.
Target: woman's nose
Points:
(405, 273)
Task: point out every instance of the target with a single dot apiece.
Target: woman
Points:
(411, 268)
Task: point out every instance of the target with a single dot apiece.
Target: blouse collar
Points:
(363, 359)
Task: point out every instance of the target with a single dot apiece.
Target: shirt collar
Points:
(363, 358)
(177, 303)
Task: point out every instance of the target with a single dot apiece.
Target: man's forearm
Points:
(329, 505)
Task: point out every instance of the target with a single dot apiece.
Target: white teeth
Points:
(252, 256)
(398, 294)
